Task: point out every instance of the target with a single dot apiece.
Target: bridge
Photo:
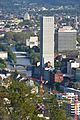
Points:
(20, 56)
(20, 65)
(19, 52)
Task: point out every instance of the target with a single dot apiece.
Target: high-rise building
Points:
(66, 39)
(47, 40)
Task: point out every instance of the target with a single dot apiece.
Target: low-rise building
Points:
(72, 104)
(3, 55)
(33, 41)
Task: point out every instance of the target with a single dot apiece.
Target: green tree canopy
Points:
(54, 111)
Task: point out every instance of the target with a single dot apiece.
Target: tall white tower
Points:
(47, 40)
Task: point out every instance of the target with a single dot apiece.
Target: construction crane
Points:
(42, 82)
(41, 87)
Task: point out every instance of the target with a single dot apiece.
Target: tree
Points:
(57, 64)
(3, 110)
(36, 49)
(9, 37)
(76, 85)
(3, 48)
(12, 37)
(54, 111)
(22, 36)
(22, 101)
(22, 104)
(21, 47)
(2, 63)
(35, 57)
(11, 55)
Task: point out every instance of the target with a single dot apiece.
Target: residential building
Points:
(47, 40)
(72, 104)
(33, 41)
(3, 55)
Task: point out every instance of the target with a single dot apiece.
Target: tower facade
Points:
(47, 40)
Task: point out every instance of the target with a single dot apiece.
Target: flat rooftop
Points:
(67, 29)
